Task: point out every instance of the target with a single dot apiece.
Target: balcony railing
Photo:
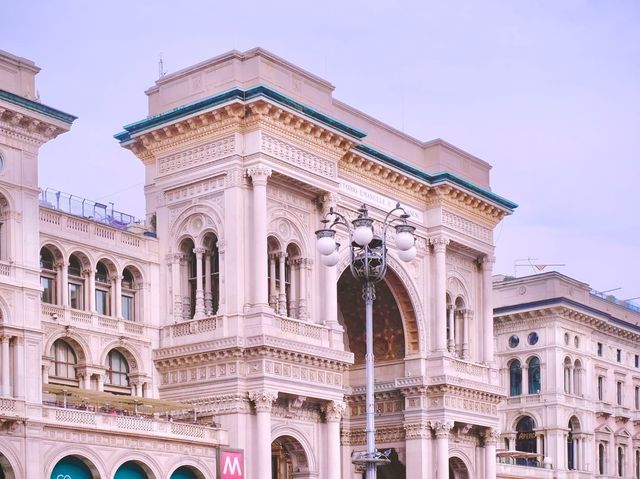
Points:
(152, 426)
(85, 319)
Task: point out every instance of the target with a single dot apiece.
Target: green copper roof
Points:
(436, 178)
(37, 107)
(236, 94)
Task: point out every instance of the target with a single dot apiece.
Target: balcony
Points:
(84, 319)
(514, 464)
(140, 425)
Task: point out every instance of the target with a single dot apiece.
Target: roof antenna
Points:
(161, 71)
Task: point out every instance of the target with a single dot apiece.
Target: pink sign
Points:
(231, 464)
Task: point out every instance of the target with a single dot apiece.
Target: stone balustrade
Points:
(67, 316)
(143, 426)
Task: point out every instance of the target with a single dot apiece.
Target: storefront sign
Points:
(231, 464)
(372, 198)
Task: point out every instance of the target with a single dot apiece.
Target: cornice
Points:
(27, 128)
(570, 310)
(37, 107)
(252, 348)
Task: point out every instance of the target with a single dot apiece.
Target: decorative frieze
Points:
(384, 435)
(466, 226)
(296, 156)
(199, 155)
(419, 430)
(195, 189)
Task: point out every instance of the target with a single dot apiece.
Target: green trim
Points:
(230, 95)
(37, 107)
(277, 97)
(437, 178)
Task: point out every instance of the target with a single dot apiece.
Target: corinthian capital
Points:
(418, 430)
(487, 261)
(329, 200)
(491, 436)
(439, 243)
(263, 400)
(334, 410)
(442, 428)
(259, 174)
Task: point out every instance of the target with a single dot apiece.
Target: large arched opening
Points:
(6, 471)
(76, 467)
(187, 472)
(289, 459)
(133, 470)
(458, 469)
(526, 440)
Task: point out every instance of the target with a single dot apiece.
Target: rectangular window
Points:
(619, 355)
(636, 399)
(127, 308)
(102, 302)
(75, 296)
(47, 290)
(600, 388)
(600, 349)
(619, 393)
(637, 360)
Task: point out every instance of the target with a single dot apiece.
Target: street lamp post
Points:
(368, 265)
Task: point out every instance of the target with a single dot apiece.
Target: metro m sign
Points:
(231, 464)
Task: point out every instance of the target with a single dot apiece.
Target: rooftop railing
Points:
(84, 208)
(612, 299)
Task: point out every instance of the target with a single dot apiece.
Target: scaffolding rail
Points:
(84, 208)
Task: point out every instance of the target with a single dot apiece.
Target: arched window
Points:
(534, 375)
(637, 463)
(572, 449)
(577, 377)
(515, 378)
(620, 461)
(117, 373)
(526, 440)
(211, 275)
(64, 361)
(188, 279)
(128, 296)
(76, 283)
(567, 376)
(103, 290)
(601, 458)
(48, 277)
(5, 244)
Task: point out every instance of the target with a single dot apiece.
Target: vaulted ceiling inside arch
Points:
(388, 335)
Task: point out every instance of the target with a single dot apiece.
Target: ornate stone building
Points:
(570, 358)
(220, 313)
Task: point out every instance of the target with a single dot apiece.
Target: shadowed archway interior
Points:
(391, 306)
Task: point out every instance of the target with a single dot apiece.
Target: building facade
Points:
(570, 360)
(137, 350)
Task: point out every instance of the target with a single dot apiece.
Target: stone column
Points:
(466, 318)
(294, 269)
(450, 328)
(440, 249)
(208, 297)
(273, 296)
(442, 430)
(100, 382)
(259, 175)
(61, 283)
(305, 264)
(18, 368)
(487, 308)
(525, 378)
(417, 436)
(490, 440)
(263, 402)
(90, 291)
(330, 290)
(6, 370)
(117, 283)
(282, 287)
(333, 413)
(176, 290)
(199, 252)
